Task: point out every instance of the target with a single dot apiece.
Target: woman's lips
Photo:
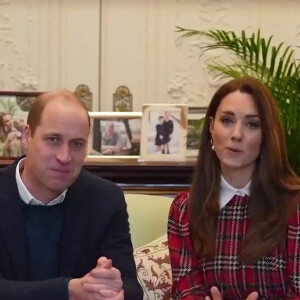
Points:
(234, 150)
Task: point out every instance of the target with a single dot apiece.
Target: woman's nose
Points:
(237, 132)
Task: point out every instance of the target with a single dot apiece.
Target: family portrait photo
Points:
(13, 118)
(114, 134)
(164, 132)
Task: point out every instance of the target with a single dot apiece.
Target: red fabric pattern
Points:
(276, 276)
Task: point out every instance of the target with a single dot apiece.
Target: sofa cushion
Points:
(148, 217)
(154, 269)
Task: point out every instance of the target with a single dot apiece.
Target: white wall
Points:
(139, 43)
(49, 44)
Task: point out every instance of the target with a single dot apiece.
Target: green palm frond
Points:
(8, 105)
(256, 56)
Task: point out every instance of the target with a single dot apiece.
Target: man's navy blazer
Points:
(95, 224)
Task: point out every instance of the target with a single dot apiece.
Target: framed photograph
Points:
(14, 108)
(164, 132)
(196, 116)
(114, 134)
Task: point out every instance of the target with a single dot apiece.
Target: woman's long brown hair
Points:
(273, 183)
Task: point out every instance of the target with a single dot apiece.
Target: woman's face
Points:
(237, 135)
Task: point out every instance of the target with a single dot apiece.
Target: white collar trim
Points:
(227, 191)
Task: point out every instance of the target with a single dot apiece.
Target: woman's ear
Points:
(211, 124)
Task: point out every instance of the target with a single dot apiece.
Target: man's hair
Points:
(36, 111)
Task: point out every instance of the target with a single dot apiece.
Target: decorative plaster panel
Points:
(163, 71)
(49, 44)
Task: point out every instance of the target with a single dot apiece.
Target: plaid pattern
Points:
(273, 277)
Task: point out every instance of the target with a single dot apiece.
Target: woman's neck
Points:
(237, 179)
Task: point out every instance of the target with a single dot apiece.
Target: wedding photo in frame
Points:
(164, 132)
(14, 108)
(196, 116)
(114, 135)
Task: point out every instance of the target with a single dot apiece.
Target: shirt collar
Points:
(26, 196)
(227, 191)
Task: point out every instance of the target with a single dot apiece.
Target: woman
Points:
(236, 235)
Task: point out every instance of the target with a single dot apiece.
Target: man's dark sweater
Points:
(44, 225)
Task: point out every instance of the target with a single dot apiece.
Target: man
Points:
(112, 142)
(64, 233)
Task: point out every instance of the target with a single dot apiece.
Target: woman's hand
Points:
(216, 295)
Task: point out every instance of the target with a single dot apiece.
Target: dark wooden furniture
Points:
(141, 177)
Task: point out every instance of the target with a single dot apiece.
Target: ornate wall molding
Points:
(154, 67)
(54, 44)
(49, 44)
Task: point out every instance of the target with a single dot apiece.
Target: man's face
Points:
(111, 128)
(56, 151)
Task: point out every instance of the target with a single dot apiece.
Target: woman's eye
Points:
(253, 125)
(226, 121)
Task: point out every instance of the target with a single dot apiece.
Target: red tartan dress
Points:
(276, 276)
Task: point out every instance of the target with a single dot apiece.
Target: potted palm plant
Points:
(256, 56)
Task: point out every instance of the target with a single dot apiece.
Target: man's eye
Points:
(53, 139)
(78, 144)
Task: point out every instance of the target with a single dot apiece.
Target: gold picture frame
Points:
(164, 132)
(114, 135)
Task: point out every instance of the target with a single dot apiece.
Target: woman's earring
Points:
(212, 144)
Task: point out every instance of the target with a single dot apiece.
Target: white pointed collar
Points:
(227, 191)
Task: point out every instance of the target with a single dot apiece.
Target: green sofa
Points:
(148, 217)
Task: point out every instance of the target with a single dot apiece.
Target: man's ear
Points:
(26, 136)
(211, 124)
